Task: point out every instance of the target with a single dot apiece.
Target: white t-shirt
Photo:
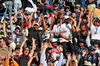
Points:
(95, 34)
(66, 27)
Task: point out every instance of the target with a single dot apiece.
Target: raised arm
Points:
(29, 24)
(4, 29)
(42, 57)
(61, 56)
(11, 28)
(29, 62)
(44, 25)
(51, 22)
(88, 21)
(33, 47)
(21, 47)
(69, 58)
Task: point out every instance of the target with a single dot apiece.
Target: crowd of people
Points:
(50, 33)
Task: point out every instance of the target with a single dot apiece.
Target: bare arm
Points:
(29, 24)
(33, 47)
(88, 21)
(67, 38)
(4, 29)
(21, 47)
(44, 25)
(51, 22)
(29, 62)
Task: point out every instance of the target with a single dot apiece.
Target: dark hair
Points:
(4, 39)
(84, 17)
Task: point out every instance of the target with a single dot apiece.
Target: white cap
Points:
(45, 16)
(13, 45)
(54, 40)
(36, 24)
(66, 17)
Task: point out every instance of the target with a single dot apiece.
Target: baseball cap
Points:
(67, 7)
(83, 28)
(25, 24)
(55, 5)
(66, 17)
(96, 42)
(77, 5)
(54, 40)
(81, 40)
(61, 7)
(36, 24)
(45, 16)
(91, 48)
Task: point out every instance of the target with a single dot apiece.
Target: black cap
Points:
(49, 48)
(61, 7)
(91, 48)
(96, 42)
(55, 5)
(81, 40)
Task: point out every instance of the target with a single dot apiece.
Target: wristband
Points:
(33, 42)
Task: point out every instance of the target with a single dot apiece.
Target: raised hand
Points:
(25, 38)
(69, 56)
(33, 39)
(83, 52)
(74, 57)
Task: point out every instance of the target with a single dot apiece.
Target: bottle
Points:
(17, 40)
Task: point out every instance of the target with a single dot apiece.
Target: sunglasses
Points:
(92, 50)
(26, 49)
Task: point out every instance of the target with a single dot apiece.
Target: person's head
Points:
(2, 60)
(49, 50)
(51, 12)
(17, 49)
(96, 43)
(92, 50)
(84, 19)
(25, 25)
(17, 29)
(36, 26)
(76, 9)
(33, 22)
(97, 22)
(66, 19)
(46, 18)
(62, 8)
(55, 6)
(26, 51)
(60, 15)
(78, 6)
(9, 34)
(54, 42)
(81, 42)
(73, 15)
(27, 14)
(67, 8)
(98, 6)
(3, 42)
(72, 62)
(38, 9)
(83, 31)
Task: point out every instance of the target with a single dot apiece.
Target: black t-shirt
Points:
(35, 34)
(23, 60)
